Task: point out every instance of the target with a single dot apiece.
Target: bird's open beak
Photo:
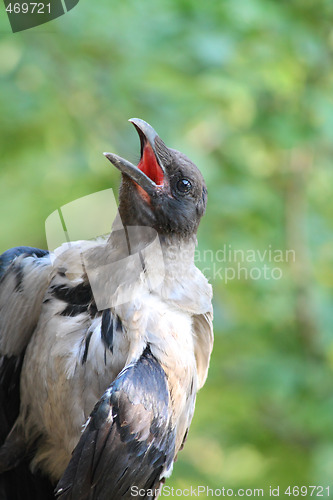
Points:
(149, 174)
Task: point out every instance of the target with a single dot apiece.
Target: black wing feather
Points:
(18, 483)
(9, 255)
(10, 365)
(129, 440)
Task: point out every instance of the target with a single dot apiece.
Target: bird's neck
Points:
(173, 249)
(177, 251)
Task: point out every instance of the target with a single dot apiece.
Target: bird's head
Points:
(165, 191)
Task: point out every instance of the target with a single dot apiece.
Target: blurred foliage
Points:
(246, 90)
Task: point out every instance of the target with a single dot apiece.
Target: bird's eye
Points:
(184, 186)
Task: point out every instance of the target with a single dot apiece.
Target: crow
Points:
(104, 344)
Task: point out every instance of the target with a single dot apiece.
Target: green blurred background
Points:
(246, 90)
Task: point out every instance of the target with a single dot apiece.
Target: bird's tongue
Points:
(149, 165)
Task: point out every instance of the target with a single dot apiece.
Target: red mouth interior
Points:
(149, 165)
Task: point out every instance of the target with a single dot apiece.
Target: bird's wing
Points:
(24, 277)
(128, 443)
(203, 343)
